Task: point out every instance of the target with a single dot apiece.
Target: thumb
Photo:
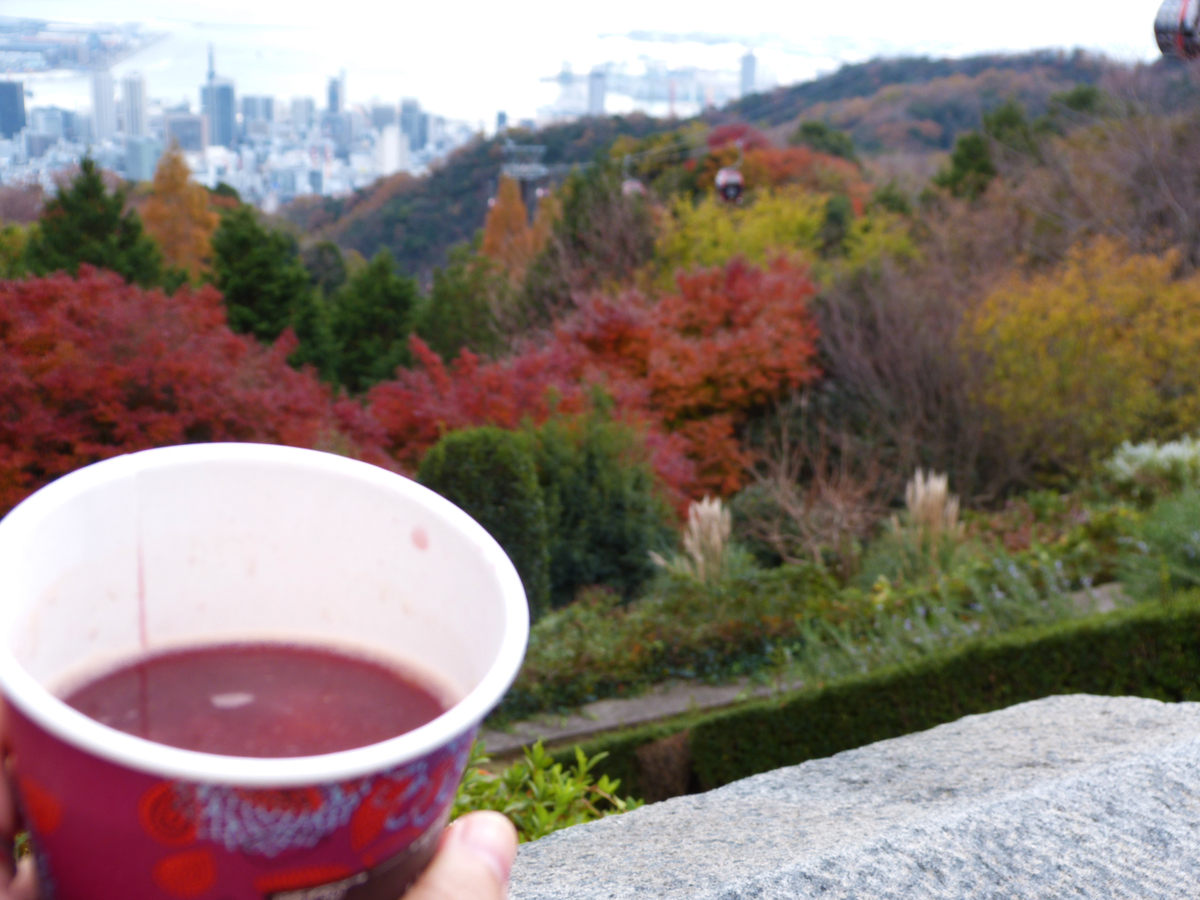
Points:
(473, 861)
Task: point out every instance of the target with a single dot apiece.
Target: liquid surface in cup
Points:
(258, 699)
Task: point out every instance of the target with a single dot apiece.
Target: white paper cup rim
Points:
(76, 729)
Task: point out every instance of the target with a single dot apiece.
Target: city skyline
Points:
(500, 61)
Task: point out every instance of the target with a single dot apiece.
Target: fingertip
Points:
(490, 836)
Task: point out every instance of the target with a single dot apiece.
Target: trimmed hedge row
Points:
(1149, 651)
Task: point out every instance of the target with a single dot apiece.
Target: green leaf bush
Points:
(490, 473)
(603, 511)
(1163, 556)
(539, 794)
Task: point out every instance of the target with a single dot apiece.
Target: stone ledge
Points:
(1078, 795)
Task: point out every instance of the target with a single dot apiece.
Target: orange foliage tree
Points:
(91, 368)
(725, 345)
(507, 237)
(178, 217)
(690, 369)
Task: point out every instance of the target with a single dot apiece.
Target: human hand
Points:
(473, 860)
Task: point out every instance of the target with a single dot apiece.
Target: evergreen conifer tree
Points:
(371, 320)
(87, 224)
(259, 272)
(458, 312)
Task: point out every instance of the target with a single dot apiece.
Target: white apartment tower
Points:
(133, 105)
(749, 74)
(597, 88)
(104, 107)
(391, 150)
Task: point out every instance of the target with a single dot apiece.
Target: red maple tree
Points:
(91, 368)
(689, 370)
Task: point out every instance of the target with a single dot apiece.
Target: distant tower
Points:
(133, 105)
(104, 109)
(12, 108)
(303, 112)
(410, 123)
(501, 122)
(206, 95)
(597, 87)
(337, 94)
(749, 75)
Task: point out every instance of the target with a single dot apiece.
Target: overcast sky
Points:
(470, 59)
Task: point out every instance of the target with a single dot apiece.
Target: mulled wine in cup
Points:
(239, 671)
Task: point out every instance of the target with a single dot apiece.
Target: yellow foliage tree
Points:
(1104, 349)
(178, 217)
(787, 221)
(507, 237)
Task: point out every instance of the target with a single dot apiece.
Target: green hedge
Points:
(1150, 651)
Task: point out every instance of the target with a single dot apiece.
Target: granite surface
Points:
(1074, 796)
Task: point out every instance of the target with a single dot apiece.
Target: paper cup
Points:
(220, 543)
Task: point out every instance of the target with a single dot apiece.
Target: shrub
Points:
(922, 541)
(1150, 651)
(604, 514)
(1163, 557)
(1145, 472)
(490, 474)
(793, 621)
(1102, 350)
(597, 647)
(814, 498)
(538, 794)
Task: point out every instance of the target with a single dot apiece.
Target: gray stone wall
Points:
(1074, 796)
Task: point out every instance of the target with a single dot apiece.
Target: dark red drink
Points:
(258, 699)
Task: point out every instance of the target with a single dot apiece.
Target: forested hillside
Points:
(418, 219)
(912, 105)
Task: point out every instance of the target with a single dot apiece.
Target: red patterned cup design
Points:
(353, 840)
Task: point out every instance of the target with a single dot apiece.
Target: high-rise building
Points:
(414, 124)
(597, 87)
(337, 94)
(12, 108)
(501, 122)
(133, 105)
(303, 112)
(383, 116)
(410, 122)
(188, 130)
(391, 150)
(749, 75)
(258, 109)
(141, 157)
(217, 102)
(219, 106)
(47, 120)
(104, 108)
(76, 127)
